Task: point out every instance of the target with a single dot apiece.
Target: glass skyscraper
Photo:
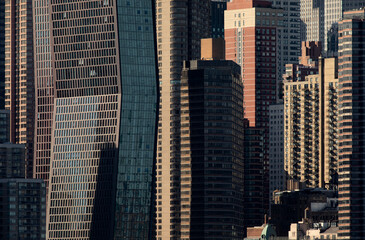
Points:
(105, 112)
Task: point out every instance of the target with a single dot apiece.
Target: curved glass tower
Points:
(103, 139)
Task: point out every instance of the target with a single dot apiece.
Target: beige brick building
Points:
(180, 26)
(310, 138)
(19, 76)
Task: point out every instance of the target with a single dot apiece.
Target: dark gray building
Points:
(12, 156)
(22, 209)
(211, 150)
(12, 160)
(217, 17)
(255, 200)
(4, 126)
(351, 166)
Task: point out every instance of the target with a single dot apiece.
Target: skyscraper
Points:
(311, 133)
(255, 195)
(251, 41)
(44, 90)
(180, 26)
(217, 17)
(351, 125)
(289, 33)
(251, 35)
(19, 76)
(312, 19)
(211, 151)
(276, 149)
(105, 114)
(2, 55)
(319, 18)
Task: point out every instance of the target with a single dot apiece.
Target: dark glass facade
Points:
(135, 176)
(217, 17)
(101, 178)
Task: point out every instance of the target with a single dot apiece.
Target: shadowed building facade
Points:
(211, 151)
(351, 126)
(217, 17)
(105, 113)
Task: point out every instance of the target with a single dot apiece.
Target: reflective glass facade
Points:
(103, 136)
(137, 121)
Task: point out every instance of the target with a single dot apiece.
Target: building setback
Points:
(351, 126)
(180, 26)
(311, 133)
(105, 114)
(211, 151)
(19, 76)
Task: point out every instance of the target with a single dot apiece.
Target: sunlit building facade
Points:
(310, 127)
(19, 76)
(44, 90)
(105, 113)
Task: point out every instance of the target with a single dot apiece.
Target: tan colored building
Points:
(19, 76)
(180, 27)
(212, 49)
(310, 139)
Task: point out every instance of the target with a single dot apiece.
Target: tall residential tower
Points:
(180, 26)
(351, 126)
(44, 89)
(310, 132)
(211, 151)
(19, 76)
(105, 112)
